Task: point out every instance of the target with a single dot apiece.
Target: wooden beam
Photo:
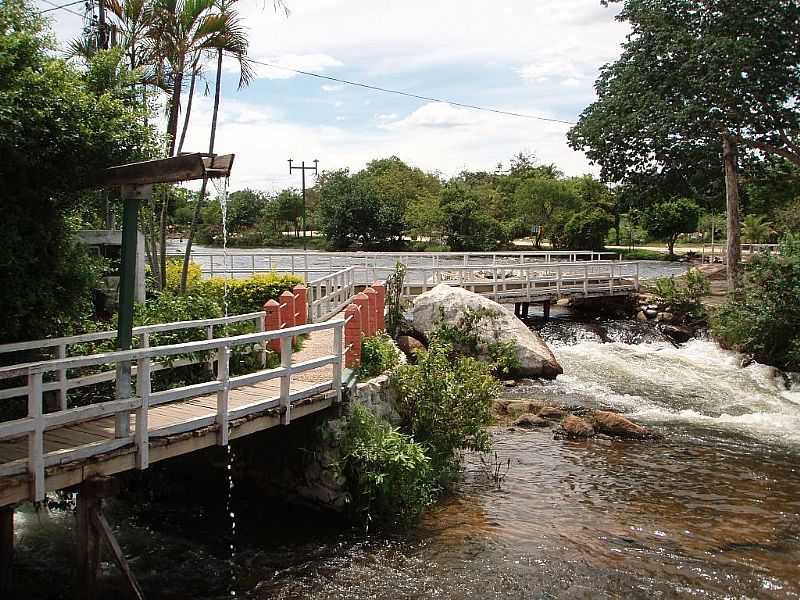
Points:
(88, 555)
(103, 528)
(186, 167)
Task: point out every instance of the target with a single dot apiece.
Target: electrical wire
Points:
(410, 95)
(62, 7)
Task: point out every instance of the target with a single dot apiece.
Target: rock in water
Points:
(573, 426)
(679, 333)
(529, 421)
(551, 412)
(409, 345)
(613, 424)
(448, 303)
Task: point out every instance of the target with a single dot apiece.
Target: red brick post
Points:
(287, 312)
(380, 288)
(373, 310)
(352, 336)
(300, 304)
(272, 322)
(362, 301)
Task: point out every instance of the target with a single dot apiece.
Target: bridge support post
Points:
(546, 309)
(380, 310)
(6, 549)
(372, 313)
(518, 309)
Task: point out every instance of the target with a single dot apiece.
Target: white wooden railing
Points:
(37, 421)
(371, 265)
(533, 281)
(63, 384)
(329, 294)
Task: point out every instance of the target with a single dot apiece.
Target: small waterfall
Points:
(222, 194)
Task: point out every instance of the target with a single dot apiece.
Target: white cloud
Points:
(438, 115)
(326, 87)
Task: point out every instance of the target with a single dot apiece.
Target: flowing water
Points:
(712, 510)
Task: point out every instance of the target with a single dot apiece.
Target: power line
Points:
(62, 7)
(410, 95)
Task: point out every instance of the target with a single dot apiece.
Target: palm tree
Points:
(233, 40)
(755, 229)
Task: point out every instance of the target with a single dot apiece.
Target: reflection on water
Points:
(710, 511)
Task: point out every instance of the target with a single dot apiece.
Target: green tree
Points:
(694, 77)
(667, 220)
(467, 222)
(756, 229)
(55, 135)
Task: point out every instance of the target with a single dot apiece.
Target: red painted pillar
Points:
(287, 309)
(352, 336)
(362, 301)
(300, 304)
(272, 322)
(380, 288)
(373, 310)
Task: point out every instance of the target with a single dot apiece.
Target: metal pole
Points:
(132, 196)
(303, 171)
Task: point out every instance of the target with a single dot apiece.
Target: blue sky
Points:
(532, 56)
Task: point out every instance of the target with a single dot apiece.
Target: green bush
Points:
(174, 270)
(762, 317)
(246, 295)
(388, 473)
(683, 296)
(464, 340)
(445, 405)
(378, 355)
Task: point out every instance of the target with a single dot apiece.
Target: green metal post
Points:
(132, 196)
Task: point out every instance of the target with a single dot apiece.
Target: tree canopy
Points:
(58, 127)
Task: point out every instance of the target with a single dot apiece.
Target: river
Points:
(709, 511)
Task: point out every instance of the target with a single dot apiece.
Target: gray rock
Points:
(409, 345)
(449, 303)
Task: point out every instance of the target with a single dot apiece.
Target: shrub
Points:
(464, 339)
(246, 295)
(174, 269)
(445, 405)
(378, 355)
(388, 473)
(684, 297)
(761, 318)
(394, 300)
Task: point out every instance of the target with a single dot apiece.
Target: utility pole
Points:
(303, 168)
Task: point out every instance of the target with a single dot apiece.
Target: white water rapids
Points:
(695, 386)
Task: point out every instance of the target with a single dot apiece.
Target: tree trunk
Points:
(174, 110)
(733, 250)
(163, 239)
(187, 255)
(188, 106)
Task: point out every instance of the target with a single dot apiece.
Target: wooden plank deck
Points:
(251, 408)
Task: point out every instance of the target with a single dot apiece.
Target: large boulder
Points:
(448, 303)
(613, 424)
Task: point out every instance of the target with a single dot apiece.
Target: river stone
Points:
(409, 345)
(640, 316)
(574, 426)
(613, 424)
(651, 313)
(551, 412)
(449, 302)
(665, 316)
(529, 421)
(679, 333)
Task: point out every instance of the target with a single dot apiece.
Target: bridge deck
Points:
(252, 408)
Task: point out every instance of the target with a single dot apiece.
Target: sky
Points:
(537, 57)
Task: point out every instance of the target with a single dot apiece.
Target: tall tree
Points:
(233, 40)
(692, 77)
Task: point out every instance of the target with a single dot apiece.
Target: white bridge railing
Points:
(34, 425)
(371, 265)
(533, 281)
(329, 294)
(61, 345)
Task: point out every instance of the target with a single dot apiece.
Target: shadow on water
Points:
(710, 511)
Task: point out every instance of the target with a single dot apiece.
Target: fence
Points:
(373, 265)
(364, 317)
(34, 425)
(142, 334)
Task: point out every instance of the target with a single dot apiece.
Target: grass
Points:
(643, 254)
